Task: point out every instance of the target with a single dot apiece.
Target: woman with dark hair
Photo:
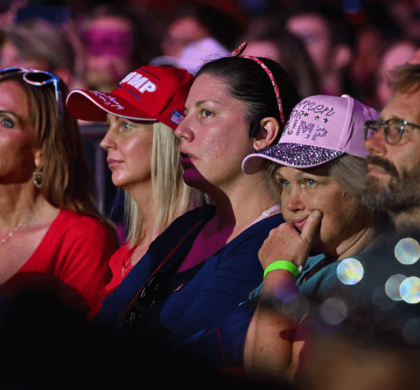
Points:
(205, 263)
(50, 226)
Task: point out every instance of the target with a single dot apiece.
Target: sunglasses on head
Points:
(39, 78)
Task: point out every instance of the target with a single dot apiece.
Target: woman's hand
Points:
(286, 243)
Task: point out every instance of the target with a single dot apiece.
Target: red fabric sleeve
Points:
(83, 263)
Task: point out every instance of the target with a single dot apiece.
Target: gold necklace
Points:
(23, 222)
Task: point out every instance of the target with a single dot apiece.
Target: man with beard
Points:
(393, 183)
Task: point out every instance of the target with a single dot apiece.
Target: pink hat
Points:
(320, 128)
(150, 93)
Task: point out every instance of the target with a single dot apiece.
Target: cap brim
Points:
(93, 106)
(291, 155)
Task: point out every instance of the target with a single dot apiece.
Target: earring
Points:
(37, 178)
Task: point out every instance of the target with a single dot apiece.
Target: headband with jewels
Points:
(320, 128)
(238, 52)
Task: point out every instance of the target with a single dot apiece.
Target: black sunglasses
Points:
(154, 289)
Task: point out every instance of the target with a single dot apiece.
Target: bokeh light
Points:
(333, 311)
(392, 287)
(350, 271)
(381, 300)
(410, 290)
(407, 251)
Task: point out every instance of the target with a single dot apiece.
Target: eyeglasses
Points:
(154, 289)
(39, 78)
(393, 129)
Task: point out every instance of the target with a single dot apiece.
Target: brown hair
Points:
(65, 172)
(405, 78)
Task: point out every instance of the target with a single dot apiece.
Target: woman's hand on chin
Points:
(287, 243)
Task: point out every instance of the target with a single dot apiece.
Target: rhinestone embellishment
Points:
(299, 155)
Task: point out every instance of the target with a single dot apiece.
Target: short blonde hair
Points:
(173, 197)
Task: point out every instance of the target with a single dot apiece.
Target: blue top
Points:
(375, 293)
(361, 279)
(365, 284)
(201, 297)
(307, 286)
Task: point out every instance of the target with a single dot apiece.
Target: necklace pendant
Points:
(24, 221)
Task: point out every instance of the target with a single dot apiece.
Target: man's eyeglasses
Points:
(393, 129)
(39, 78)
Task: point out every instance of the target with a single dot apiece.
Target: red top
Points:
(120, 265)
(75, 250)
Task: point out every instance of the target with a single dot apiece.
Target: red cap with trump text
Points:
(150, 93)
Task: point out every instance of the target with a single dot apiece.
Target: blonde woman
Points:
(142, 154)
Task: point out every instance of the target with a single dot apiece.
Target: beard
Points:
(401, 194)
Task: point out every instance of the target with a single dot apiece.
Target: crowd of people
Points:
(267, 156)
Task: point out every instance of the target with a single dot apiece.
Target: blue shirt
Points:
(212, 290)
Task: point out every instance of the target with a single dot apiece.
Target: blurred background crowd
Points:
(329, 47)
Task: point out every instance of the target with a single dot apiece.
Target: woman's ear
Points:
(269, 130)
(39, 158)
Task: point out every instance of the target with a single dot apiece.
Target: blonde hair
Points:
(172, 196)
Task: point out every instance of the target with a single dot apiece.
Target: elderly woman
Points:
(205, 263)
(49, 224)
(320, 171)
(143, 154)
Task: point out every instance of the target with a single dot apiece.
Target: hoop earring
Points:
(37, 178)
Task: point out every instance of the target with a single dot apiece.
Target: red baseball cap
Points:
(150, 93)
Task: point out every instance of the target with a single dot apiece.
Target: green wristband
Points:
(282, 264)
